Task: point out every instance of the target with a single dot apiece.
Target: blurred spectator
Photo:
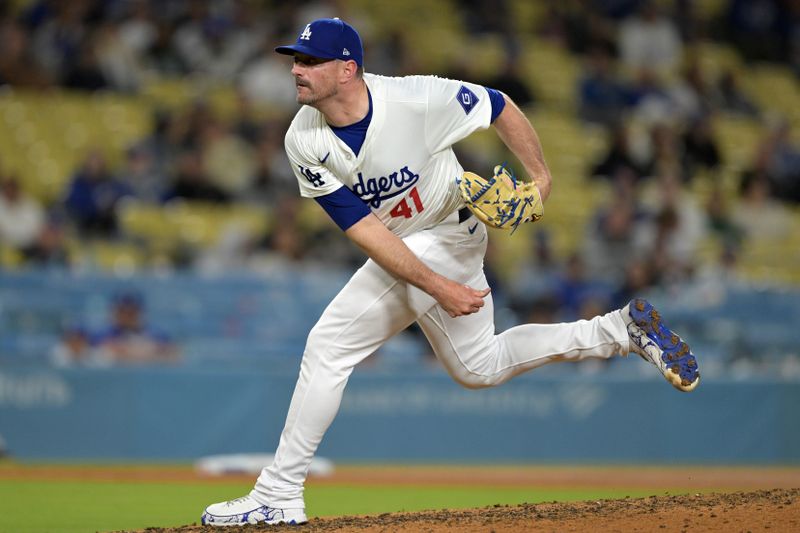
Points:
(553, 25)
(140, 175)
(594, 304)
(265, 80)
(544, 254)
(759, 215)
(614, 10)
(754, 26)
(509, 80)
(602, 96)
(247, 123)
(57, 41)
(720, 219)
(543, 262)
(666, 153)
(163, 144)
(233, 252)
(690, 26)
(190, 125)
(649, 40)
(117, 61)
(36, 13)
(215, 44)
(272, 179)
(312, 10)
(486, 16)
(17, 66)
(138, 29)
(650, 100)
(542, 310)
(191, 181)
(638, 278)
(160, 58)
(391, 54)
(93, 195)
(612, 235)
(85, 73)
(573, 288)
(74, 349)
(129, 340)
(588, 27)
(227, 158)
(610, 240)
(288, 244)
(714, 278)
(691, 95)
(700, 148)
(730, 97)
(673, 234)
(779, 156)
(50, 248)
(618, 161)
(21, 216)
(791, 36)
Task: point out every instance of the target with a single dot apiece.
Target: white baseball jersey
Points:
(406, 173)
(406, 170)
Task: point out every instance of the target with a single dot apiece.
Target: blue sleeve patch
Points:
(467, 99)
(498, 102)
(344, 207)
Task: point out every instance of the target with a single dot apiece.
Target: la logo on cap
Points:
(332, 39)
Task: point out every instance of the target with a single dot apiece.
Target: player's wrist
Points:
(437, 285)
(544, 185)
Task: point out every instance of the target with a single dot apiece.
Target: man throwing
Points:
(375, 152)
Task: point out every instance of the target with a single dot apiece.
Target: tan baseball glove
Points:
(501, 201)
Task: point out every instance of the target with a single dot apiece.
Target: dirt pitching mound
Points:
(765, 510)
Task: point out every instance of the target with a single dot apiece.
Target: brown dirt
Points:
(770, 510)
(776, 507)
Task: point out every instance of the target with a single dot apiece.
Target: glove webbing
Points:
(504, 215)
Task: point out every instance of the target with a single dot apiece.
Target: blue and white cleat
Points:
(246, 510)
(656, 343)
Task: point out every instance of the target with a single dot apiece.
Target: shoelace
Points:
(236, 500)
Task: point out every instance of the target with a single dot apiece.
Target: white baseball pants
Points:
(374, 306)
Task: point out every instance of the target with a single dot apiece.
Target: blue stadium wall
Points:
(185, 413)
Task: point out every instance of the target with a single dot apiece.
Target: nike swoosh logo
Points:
(473, 228)
(322, 161)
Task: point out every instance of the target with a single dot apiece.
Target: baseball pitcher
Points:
(376, 153)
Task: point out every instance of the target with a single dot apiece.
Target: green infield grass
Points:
(82, 506)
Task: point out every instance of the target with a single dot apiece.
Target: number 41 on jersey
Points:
(402, 209)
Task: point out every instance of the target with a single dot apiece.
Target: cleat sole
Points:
(680, 362)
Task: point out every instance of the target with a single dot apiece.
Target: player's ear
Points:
(350, 71)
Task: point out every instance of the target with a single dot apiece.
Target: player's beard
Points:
(313, 96)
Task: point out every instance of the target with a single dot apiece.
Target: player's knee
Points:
(470, 380)
(315, 346)
(321, 350)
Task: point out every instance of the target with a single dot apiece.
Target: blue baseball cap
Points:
(328, 39)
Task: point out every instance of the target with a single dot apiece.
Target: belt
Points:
(463, 214)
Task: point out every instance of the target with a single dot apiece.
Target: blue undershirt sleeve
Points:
(497, 100)
(344, 207)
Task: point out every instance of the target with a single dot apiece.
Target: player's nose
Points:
(297, 68)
